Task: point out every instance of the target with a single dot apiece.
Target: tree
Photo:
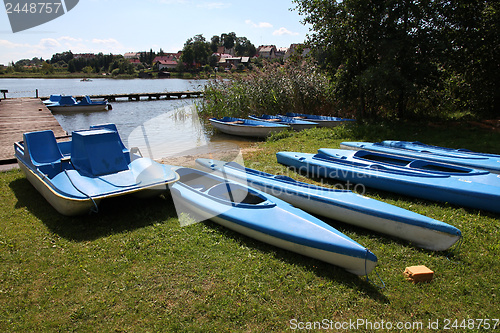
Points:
(71, 67)
(375, 51)
(244, 48)
(228, 40)
(394, 57)
(47, 68)
(214, 43)
(87, 69)
(196, 51)
(472, 28)
(147, 57)
(64, 56)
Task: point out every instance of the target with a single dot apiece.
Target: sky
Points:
(120, 26)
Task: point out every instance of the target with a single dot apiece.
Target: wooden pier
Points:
(20, 115)
(26, 114)
(139, 96)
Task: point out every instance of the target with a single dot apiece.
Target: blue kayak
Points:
(419, 178)
(74, 176)
(294, 123)
(247, 127)
(323, 121)
(267, 219)
(464, 157)
(344, 205)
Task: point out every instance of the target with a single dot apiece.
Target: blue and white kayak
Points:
(419, 178)
(323, 121)
(268, 219)
(74, 176)
(344, 205)
(294, 123)
(247, 127)
(464, 157)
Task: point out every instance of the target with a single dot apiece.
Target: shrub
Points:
(274, 89)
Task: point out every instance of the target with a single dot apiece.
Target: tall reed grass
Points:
(274, 89)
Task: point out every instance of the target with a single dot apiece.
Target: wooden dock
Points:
(20, 115)
(138, 96)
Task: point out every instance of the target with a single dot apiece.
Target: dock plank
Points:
(20, 115)
(138, 96)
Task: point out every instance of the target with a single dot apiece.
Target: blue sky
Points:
(119, 26)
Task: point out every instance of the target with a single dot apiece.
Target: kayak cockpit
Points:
(414, 164)
(213, 187)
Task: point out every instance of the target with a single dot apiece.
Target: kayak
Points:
(464, 157)
(419, 178)
(294, 123)
(267, 219)
(323, 121)
(247, 127)
(343, 205)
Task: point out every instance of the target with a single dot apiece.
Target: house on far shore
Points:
(167, 61)
(134, 61)
(131, 55)
(281, 51)
(233, 62)
(223, 50)
(299, 50)
(267, 51)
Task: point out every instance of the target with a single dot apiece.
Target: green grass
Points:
(133, 268)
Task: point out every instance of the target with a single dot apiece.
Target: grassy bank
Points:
(132, 268)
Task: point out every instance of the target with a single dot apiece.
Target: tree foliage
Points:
(99, 63)
(390, 57)
(198, 52)
(64, 56)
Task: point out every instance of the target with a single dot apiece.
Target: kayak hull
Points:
(269, 220)
(469, 188)
(463, 157)
(246, 127)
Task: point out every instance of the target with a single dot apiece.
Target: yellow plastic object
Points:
(418, 274)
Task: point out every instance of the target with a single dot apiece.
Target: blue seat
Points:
(85, 101)
(112, 127)
(43, 151)
(97, 152)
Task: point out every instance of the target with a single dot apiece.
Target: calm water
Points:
(160, 128)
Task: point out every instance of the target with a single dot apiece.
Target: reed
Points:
(274, 89)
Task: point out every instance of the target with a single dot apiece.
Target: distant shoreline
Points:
(173, 75)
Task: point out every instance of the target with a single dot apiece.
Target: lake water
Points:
(162, 129)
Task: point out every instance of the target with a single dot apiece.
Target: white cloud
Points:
(69, 39)
(10, 45)
(109, 41)
(284, 31)
(46, 47)
(259, 25)
(48, 43)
